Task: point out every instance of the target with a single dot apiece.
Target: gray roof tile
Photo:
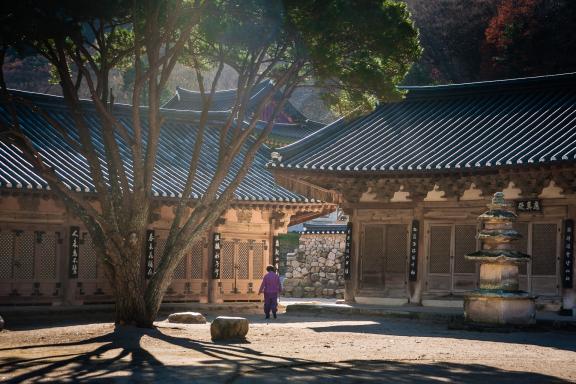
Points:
(174, 153)
(476, 125)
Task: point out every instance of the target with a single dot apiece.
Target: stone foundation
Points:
(500, 310)
(315, 269)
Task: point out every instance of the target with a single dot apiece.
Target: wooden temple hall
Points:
(414, 175)
(290, 125)
(37, 232)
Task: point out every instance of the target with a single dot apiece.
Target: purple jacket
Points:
(271, 283)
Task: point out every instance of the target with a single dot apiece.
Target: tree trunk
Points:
(130, 285)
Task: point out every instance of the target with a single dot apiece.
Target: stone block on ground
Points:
(225, 327)
(187, 318)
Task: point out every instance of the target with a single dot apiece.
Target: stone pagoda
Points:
(498, 299)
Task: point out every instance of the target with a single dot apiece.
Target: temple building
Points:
(290, 124)
(414, 175)
(36, 228)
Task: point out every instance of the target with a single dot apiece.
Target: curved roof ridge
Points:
(544, 81)
(57, 102)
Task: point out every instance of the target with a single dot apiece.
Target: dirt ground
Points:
(300, 349)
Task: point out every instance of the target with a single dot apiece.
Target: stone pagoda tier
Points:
(498, 299)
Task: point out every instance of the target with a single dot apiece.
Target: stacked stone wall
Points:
(315, 269)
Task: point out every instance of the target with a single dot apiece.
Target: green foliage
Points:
(359, 49)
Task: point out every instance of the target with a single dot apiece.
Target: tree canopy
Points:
(358, 49)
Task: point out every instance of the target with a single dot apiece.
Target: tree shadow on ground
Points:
(121, 351)
(118, 357)
(398, 372)
(563, 340)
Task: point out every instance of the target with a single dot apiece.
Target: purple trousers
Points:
(270, 303)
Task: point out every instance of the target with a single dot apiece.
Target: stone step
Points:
(387, 301)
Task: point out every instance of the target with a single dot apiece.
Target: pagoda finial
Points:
(498, 199)
(498, 202)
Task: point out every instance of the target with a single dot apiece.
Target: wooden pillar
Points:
(569, 294)
(206, 270)
(69, 285)
(214, 285)
(351, 285)
(415, 288)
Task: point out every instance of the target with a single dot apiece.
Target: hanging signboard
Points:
(276, 253)
(150, 248)
(414, 237)
(531, 205)
(74, 251)
(348, 253)
(568, 264)
(216, 256)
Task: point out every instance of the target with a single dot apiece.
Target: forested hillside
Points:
(463, 41)
(467, 40)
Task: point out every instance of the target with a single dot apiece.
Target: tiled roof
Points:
(463, 126)
(174, 153)
(186, 100)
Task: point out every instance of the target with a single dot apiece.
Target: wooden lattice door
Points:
(243, 264)
(384, 258)
(92, 285)
(30, 265)
(540, 240)
(448, 270)
(188, 278)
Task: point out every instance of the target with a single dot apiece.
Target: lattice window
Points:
(24, 257)
(257, 261)
(440, 237)
(47, 254)
(544, 249)
(464, 242)
(522, 245)
(227, 255)
(180, 271)
(396, 248)
(6, 254)
(243, 252)
(87, 260)
(197, 253)
(158, 251)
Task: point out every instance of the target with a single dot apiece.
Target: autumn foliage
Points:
(467, 41)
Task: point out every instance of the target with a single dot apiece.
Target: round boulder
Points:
(225, 327)
(1, 323)
(187, 318)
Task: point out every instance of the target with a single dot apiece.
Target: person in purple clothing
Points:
(271, 287)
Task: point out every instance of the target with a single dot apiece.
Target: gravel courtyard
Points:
(299, 349)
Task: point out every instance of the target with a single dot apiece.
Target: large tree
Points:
(360, 48)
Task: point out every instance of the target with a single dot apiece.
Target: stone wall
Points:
(315, 269)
